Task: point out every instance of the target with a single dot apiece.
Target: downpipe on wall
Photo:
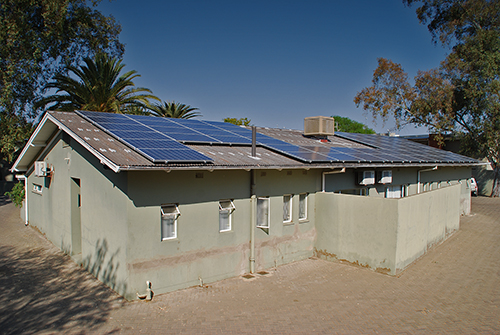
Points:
(25, 180)
(418, 176)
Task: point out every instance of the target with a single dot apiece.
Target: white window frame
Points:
(287, 219)
(38, 189)
(230, 208)
(304, 200)
(267, 224)
(386, 177)
(397, 190)
(164, 214)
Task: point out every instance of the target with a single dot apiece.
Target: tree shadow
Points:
(43, 290)
(105, 270)
(4, 200)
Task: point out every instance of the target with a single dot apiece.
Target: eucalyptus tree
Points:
(174, 110)
(39, 38)
(462, 96)
(97, 86)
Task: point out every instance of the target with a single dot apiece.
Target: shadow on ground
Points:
(43, 291)
(4, 200)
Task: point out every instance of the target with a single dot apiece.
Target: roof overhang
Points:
(40, 140)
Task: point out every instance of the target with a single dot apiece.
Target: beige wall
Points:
(384, 234)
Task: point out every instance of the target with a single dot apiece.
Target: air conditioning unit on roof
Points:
(318, 126)
(40, 168)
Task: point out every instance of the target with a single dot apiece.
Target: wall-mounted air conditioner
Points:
(40, 168)
(366, 178)
(384, 177)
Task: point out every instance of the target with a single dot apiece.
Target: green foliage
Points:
(239, 122)
(174, 110)
(38, 39)
(100, 88)
(462, 96)
(14, 130)
(350, 126)
(17, 194)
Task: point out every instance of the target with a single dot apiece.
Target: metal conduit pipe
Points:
(253, 205)
(25, 181)
(418, 177)
(323, 177)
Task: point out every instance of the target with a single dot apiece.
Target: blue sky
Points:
(274, 62)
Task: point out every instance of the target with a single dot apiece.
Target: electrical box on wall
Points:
(384, 177)
(366, 178)
(40, 168)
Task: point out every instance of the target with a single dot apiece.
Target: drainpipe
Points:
(418, 177)
(253, 205)
(25, 180)
(323, 178)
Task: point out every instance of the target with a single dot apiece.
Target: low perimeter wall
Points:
(386, 235)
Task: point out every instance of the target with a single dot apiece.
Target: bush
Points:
(17, 194)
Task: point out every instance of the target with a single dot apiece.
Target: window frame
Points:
(38, 189)
(305, 195)
(289, 219)
(268, 200)
(231, 209)
(176, 213)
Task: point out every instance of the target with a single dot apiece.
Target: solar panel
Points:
(161, 140)
(157, 146)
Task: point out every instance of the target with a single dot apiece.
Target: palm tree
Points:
(174, 110)
(99, 87)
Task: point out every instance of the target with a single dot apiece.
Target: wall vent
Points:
(318, 126)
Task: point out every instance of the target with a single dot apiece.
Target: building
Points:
(483, 173)
(179, 202)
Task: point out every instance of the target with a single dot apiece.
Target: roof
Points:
(277, 148)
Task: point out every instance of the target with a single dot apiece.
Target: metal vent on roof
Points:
(318, 126)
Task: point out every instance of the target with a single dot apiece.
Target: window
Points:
(366, 178)
(394, 192)
(263, 212)
(169, 215)
(385, 177)
(287, 208)
(226, 208)
(37, 188)
(303, 206)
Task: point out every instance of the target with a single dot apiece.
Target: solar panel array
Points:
(162, 140)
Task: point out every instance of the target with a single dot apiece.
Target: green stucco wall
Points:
(103, 211)
(385, 234)
(200, 250)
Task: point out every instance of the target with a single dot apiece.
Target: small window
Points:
(287, 208)
(263, 219)
(169, 215)
(37, 188)
(366, 178)
(226, 208)
(303, 206)
(394, 192)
